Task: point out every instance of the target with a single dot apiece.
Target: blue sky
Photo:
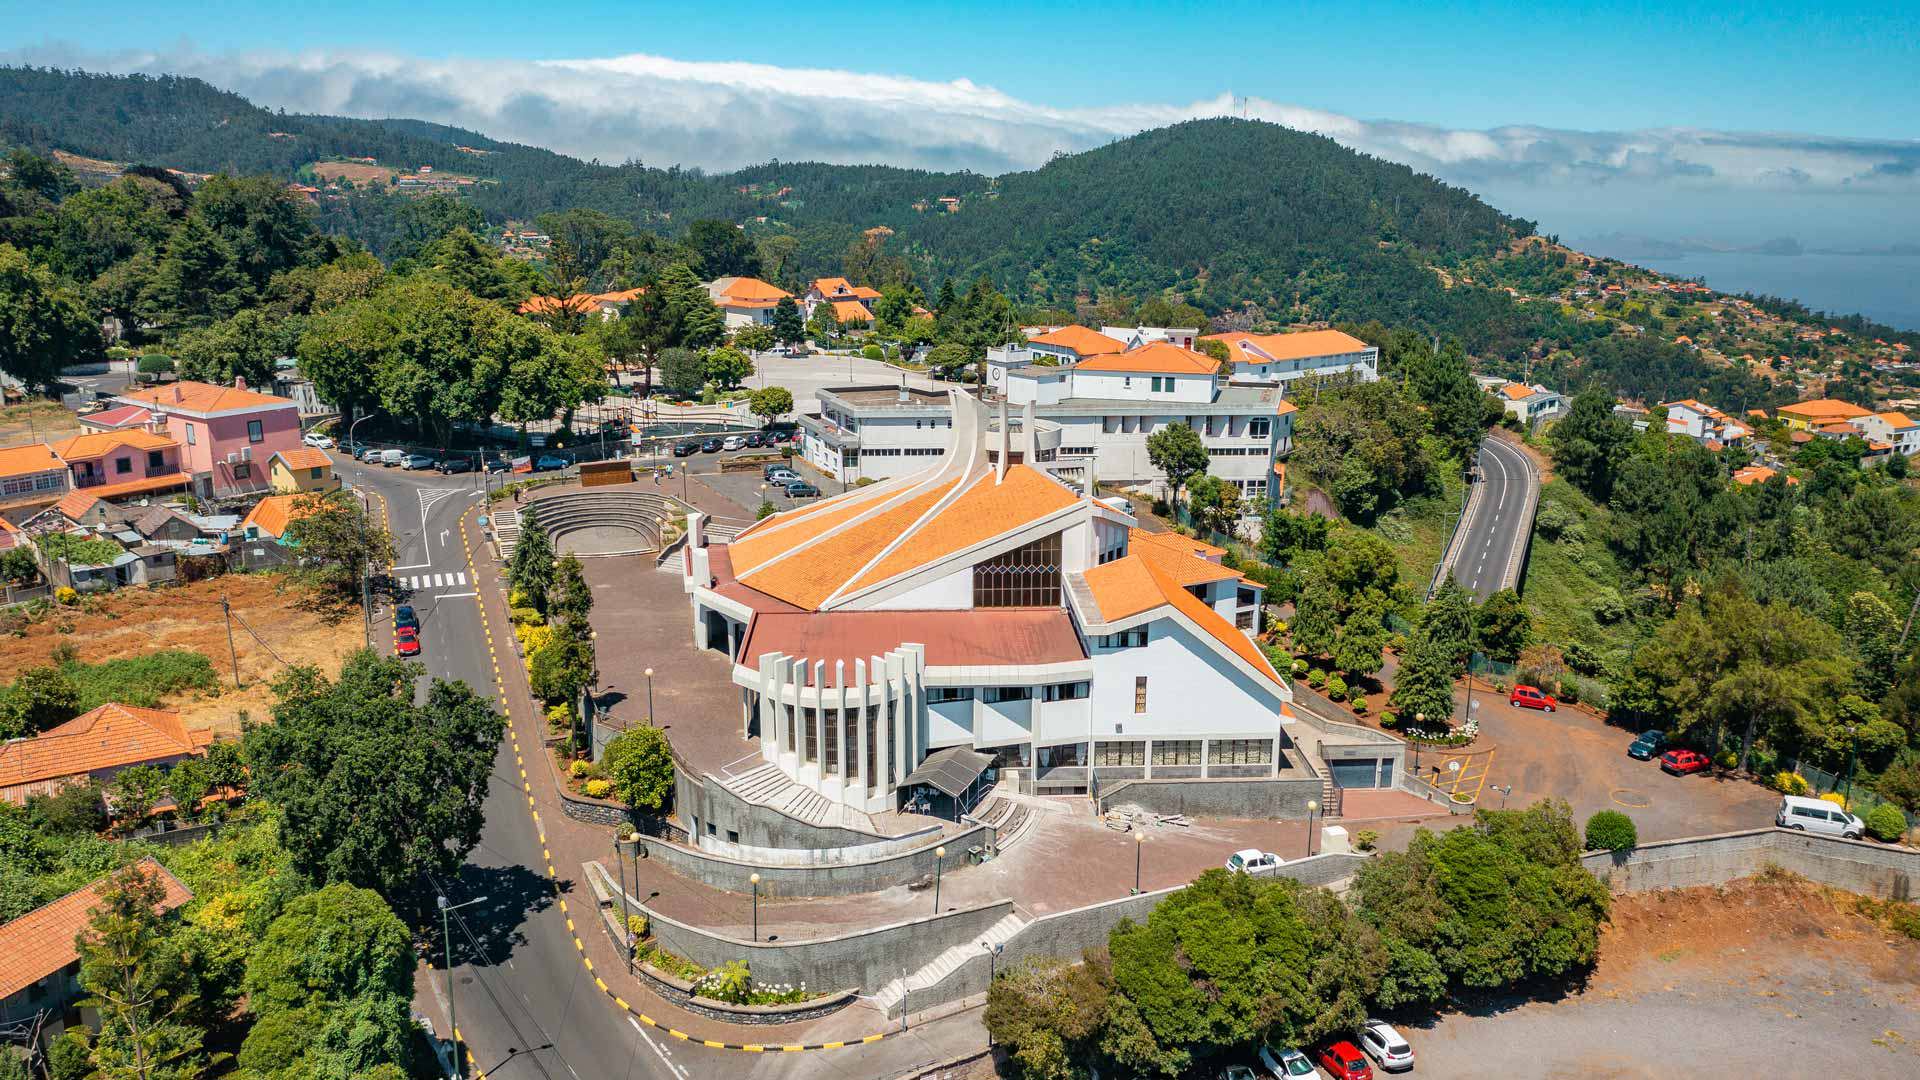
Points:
(1839, 68)
(1735, 122)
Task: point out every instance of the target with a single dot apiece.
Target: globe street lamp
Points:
(755, 879)
(1313, 807)
(649, 674)
(939, 860)
(1139, 841)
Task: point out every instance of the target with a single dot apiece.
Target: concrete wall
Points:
(1856, 866)
(828, 879)
(758, 826)
(1246, 799)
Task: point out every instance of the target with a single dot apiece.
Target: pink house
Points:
(226, 433)
(129, 462)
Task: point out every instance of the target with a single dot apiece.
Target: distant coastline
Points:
(1882, 284)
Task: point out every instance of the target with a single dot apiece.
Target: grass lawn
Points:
(1419, 528)
(1570, 580)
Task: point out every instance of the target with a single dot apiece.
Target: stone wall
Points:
(761, 826)
(823, 879)
(1856, 866)
(1244, 799)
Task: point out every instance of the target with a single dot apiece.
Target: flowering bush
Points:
(65, 594)
(1835, 798)
(579, 769)
(1787, 782)
(598, 789)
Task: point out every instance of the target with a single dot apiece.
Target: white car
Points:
(1251, 859)
(1286, 1063)
(315, 439)
(1384, 1045)
(734, 442)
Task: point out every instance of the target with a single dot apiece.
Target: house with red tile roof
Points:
(1703, 423)
(122, 462)
(851, 303)
(269, 518)
(95, 745)
(40, 954)
(1897, 430)
(988, 610)
(31, 475)
(1808, 415)
(745, 301)
(1285, 358)
(225, 433)
(307, 468)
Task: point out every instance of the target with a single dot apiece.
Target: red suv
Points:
(1531, 697)
(1682, 762)
(1344, 1061)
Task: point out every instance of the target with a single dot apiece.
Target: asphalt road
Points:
(1496, 536)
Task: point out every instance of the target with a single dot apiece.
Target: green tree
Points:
(244, 346)
(1502, 626)
(754, 338)
(40, 697)
(1215, 504)
(583, 240)
(682, 372)
(44, 326)
(375, 789)
(1176, 450)
(561, 668)
(722, 250)
(197, 280)
(1589, 444)
(824, 324)
(267, 228)
(137, 983)
(330, 947)
(464, 261)
(727, 368)
(370, 1037)
(1361, 648)
(134, 792)
(419, 222)
(788, 327)
(1424, 685)
(530, 574)
(1362, 443)
(770, 402)
(337, 542)
(640, 764)
(1456, 407)
(1873, 633)
(1316, 617)
(544, 373)
(1048, 1014)
(1448, 621)
(572, 596)
(947, 361)
(697, 323)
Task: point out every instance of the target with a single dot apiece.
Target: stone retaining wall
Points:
(1857, 866)
(823, 879)
(1224, 798)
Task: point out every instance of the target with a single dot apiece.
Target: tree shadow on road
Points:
(513, 893)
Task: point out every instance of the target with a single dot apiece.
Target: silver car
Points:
(1385, 1046)
(1286, 1063)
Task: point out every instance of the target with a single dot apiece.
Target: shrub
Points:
(1789, 783)
(637, 925)
(65, 594)
(1835, 798)
(1886, 823)
(1359, 704)
(871, 352)
(1299, 667)
(1388, 719)
(1316, 678)
(1365, 839)
(1611, 830)
(641, 768)
(560, 715)
(1337, 688)
(579, 769)
(1569, 691)
(1726, 759)
(524, 615)
(598, 789)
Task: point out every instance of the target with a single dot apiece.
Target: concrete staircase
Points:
(892, 995)
(506, 531)
(766, 785)
(1007, 816)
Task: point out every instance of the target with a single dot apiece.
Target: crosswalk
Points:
(416, 582)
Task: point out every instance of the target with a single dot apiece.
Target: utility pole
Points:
(226, 611)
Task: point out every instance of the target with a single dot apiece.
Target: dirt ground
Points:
(36, 421)
(1775, 978)
(271, 630)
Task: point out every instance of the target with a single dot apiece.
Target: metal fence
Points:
(1860, 799)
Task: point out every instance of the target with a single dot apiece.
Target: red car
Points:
(406, 641)
(1531, 697)
(1682, 762)
(1344, 1061)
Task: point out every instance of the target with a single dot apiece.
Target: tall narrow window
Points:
(1027, 576)
(1139, 693)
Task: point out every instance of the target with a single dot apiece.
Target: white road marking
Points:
(456, 595)
(677, 1069)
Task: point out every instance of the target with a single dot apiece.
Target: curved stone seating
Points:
(620, 522)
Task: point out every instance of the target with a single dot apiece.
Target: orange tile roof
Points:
(273, 514)
(851, 311)
(1216, 627)
(29, 458)
(581, 302)
(772, 537)
(808, 579)
(863, 292)
(199, 397)
(1517, 391)
(1823, 408)
(75, 503)
(1182, 568)
(1159, 358)
(752, 289)
(1080, 340)
(1285, 407)
(983, 511)
(1299, 345)
(143, 486)
(827, 286)
(109, 737)
(1173, 541)
(1895, 419)
(1134, 583)
(43, 942)
(100, 443)
(305, 457)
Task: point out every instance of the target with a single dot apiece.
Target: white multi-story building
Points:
(987, 603)
(1703, 423)
(745, 301)
(1900, 433)
(1094, 415)
(1284, 358)
(1528, 403)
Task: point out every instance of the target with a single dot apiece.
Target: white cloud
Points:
(725, 115)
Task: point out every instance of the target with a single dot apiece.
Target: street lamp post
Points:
(755, 879)
(1139, 841)
(649, 674)
(1419, 722)
(446, 946)
(1851, 745)
(1313, 807)
(939, 858)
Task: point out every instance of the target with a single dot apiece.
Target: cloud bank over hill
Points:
(718, 116)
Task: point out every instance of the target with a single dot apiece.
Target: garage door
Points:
(1357, 773)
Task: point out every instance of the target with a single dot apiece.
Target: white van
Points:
(393, 457)
(1817, 815)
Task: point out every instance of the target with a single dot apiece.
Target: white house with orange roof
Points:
(1703, 423)
(1093, 417)
(745, 301)
(985, 612)
(1896, 429)
(851, 303)
(1284, 358)
(1528, 402)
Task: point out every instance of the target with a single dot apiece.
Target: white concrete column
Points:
(897, 696)
(860, 722)
(840, 721)
(820, 718)
(882, 778)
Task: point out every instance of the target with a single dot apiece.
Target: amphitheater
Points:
(593, 522)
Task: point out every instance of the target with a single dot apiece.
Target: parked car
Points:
(1682, 762)
(368, 454)
(1238, 1072)
(549, 463)
(1647, 745)
(769, 472)
(404, 616)
(1531, 697)
(686, 449)
(781, 477)
(461, 463)
(406, 641)
(757, 438)
(711, 444)
(800, 489)
(734, 442)
(1251, 859)
(315, 439)
(1385, 1046)
(416, 461)
(499, 464)
(1286, 1063)
(390, 458)
(1344, 1061)
(1819, 816)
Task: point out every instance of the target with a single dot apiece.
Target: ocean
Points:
(1885, 288)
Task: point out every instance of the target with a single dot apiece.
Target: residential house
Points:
(1529, 403)
(1810, 415)
(269, 518)
(1895, 429)
(1703, 423)
(308, 468)
(1278, 359)
(226, 433)
(1757, 474)
(606, 305)
(95, 746)
(1070, 345)
(118, 418)
(31, 476)
(745, 301)
(851, 303)
(122, 462)
(40, 957)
